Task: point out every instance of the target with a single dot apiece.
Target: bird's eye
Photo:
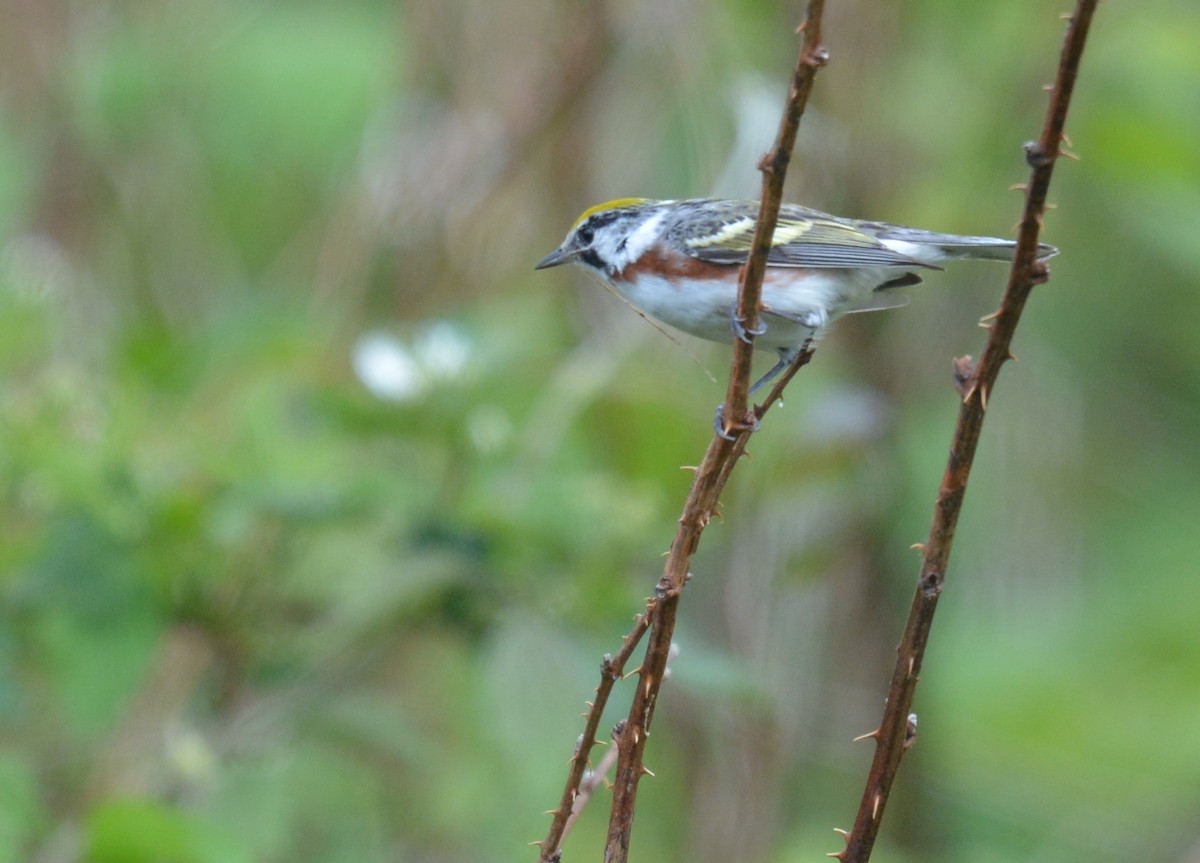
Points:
(586, 234)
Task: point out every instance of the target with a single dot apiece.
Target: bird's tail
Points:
(953, 245)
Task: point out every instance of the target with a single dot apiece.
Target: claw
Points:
(738, 325)
(719, 424)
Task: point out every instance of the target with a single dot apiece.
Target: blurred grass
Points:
(320, 508)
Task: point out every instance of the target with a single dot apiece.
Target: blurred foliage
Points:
(320, 507)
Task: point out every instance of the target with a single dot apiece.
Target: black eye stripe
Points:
(589, 257)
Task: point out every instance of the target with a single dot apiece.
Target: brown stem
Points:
(773, 166)
(719, 460)
(611, 669)
(898, 726)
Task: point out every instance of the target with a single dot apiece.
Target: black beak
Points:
(558, 256)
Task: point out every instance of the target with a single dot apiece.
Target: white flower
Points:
(387, 368)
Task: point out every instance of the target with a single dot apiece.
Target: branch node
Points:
(817, 57)
(618, 729)
(964, 372)
(608, 668)
(1035, 156)
(910, 731)
(931, 583)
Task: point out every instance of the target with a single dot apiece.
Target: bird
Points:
(678, 262)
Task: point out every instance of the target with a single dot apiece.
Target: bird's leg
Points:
(785, 359)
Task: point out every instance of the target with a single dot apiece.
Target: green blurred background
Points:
(320, 506)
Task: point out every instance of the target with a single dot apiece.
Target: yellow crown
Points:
(616, 204)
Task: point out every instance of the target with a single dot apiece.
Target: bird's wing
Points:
(803, 238)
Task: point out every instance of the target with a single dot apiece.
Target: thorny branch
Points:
(898, 726)
(710, 479)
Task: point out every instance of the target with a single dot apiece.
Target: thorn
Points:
(646, 771)
(867, 736)
(549, 812)
(845, 834)
(1070, 154)
(990, 316)
(837, 855)
(537, 844)
(911, 665)
(1051, 206)
(629, 674)
(970, 392)
(693, 468)
(1065, 138)
(875, 804)
(918, 546)
(1019, 187)
(1009, 355)
(983, 397)
(1046, 88)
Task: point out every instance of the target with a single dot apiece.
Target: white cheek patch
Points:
(642, 238)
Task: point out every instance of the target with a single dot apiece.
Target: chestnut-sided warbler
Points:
(678, 261)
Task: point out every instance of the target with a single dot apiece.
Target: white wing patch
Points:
(790, 231)
(723, 234)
